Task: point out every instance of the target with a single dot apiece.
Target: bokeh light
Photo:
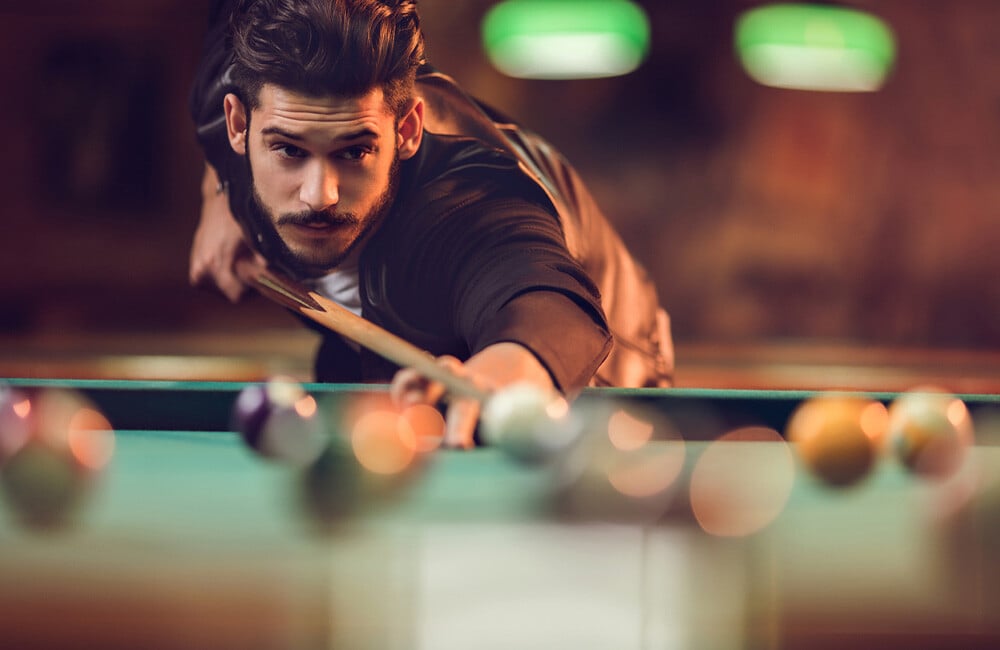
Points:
(22, 408)
(428, 426)
(627, 432)
(305, 406)
(91, 439)
(648, 470)
(383, 442)
(741, 482)
(624, 466)
(874, 421)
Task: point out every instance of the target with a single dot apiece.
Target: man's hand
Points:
(218, 243)
(493, 368)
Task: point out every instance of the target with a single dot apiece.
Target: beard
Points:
(313, 264)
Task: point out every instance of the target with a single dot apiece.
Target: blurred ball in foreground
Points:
(929, 431)
(280, 421)
(838, 436)
(374, 453)
(329, 489)
(528, 424)
(60, 445)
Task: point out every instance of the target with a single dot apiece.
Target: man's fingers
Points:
(218, 244)
(410, 387)
(217, 275)
(462, 415)
(460, 423)
(231, 286)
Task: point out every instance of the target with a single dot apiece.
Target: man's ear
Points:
(411, 130)
(236, 123)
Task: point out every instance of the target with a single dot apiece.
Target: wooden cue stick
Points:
(329, 314)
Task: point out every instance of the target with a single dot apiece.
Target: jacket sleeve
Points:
(523, 286)
(496, 268)
(560, 331)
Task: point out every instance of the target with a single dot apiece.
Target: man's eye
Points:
(289, 151)
(355, 153)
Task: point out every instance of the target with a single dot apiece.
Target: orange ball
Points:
(837, 436)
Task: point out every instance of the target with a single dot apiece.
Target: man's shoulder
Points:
(450, 111)
(456, 171)
(460, 156)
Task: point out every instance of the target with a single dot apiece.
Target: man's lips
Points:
(315, 228)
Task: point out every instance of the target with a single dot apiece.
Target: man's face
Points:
(324, 172)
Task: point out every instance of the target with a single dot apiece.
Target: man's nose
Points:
(320, 187)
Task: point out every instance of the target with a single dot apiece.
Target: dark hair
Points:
(328, 47)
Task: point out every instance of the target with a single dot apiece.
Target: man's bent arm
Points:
(218, 242)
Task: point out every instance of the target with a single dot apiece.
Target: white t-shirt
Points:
(341, 286)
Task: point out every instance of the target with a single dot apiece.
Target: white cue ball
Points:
(527, 423)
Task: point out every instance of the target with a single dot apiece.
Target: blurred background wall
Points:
(762, 214)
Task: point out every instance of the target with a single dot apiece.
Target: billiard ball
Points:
(279, 420)
(527, 423)
(929, 431)
(65, 444)
(375, 452)
(329, 489)
(836, 436)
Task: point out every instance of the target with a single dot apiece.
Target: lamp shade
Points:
(566, 39)
(815, 47)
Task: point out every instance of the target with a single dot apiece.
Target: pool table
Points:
(190, 540)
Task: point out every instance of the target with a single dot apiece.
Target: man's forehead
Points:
(280, 106)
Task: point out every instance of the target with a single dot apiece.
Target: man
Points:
(336, 155)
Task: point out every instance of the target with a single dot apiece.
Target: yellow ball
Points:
(837, 436)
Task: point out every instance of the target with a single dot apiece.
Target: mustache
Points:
(310, 218)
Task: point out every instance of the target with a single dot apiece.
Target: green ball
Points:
(43, 487)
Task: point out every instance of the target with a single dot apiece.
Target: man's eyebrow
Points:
(360, 134)
(357, 135)
(273, 130)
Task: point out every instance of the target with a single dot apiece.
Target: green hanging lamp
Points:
(566, 39)
(815, 47)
